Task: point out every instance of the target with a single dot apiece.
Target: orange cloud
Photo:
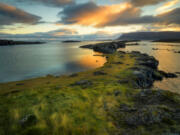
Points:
(90, 14)
(167, 6)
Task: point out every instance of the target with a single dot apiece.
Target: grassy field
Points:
(62, 108)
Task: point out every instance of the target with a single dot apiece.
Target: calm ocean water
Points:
(56, 58)
(29, 61)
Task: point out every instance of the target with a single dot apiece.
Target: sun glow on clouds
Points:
(167, 6)
(100, 15)
(91, 17)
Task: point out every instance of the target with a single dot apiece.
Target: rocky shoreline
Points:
(107, 47)
(11, 42)
(116, 99)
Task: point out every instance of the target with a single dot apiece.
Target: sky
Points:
(86, 19)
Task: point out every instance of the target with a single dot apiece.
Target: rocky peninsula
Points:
(11, 42)
(116, 99)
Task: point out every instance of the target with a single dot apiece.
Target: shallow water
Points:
(168, 61)
(29, 61)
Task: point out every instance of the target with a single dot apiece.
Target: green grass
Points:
(63, 109)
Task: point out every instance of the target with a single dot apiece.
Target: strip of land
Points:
(114, 99)
(11, 42)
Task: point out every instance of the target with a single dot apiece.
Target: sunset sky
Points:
(86, 19)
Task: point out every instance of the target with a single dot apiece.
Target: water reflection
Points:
(56, 58)
(90, 61)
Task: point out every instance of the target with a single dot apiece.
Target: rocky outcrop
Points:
(107, 47)
(150, 108)
(11, 42)
(145, 72)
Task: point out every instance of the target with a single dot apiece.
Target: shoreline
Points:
(12, 42)
(108, 100)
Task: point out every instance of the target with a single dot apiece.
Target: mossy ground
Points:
(64, 109)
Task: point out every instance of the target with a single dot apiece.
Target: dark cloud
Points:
(171, 17)
(90, 14)
(57, 3)
(146, 2)
(10, 15)
(70, 14)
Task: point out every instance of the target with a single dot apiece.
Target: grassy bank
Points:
(80, 104)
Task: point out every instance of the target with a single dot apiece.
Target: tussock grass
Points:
(63, 109)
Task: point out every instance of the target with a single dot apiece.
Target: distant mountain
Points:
(150, 36)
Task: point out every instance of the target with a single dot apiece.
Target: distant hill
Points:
(150, 36)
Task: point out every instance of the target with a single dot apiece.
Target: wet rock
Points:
(28, 120)
(99, 73)
(177, 52)
(143, 78)
(177, 72)
(168, 75)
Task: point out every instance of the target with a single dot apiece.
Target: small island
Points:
(12, 42)
(71, 41)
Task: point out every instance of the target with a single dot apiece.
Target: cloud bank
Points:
(10, 15)
(90, 14)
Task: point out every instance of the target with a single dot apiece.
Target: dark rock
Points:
(83, 83)
(148, 61)
(99, 73)
(117, 92)
(150, 97)
(177, 72)
(177, 52)
(28, 120)
(144, 78)
(147, 116)
(108, 47)
(168, 75)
